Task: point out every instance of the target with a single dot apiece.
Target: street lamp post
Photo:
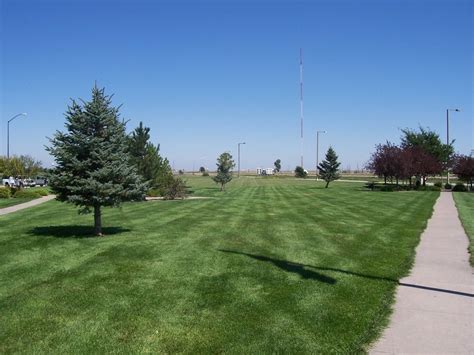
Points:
(8, 131)
(238, 160)
(317, 151)
(447, 138)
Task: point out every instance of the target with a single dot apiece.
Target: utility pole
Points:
(447, 139)
(238, 159)
(317, 152)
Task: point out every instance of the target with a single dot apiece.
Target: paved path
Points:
(434, 309)
(22, 206)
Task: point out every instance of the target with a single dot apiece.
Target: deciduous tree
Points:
(300, 172)
(464, 168)
(225, 164)
(429, 141)
(277, 165)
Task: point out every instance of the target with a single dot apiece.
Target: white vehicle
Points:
(9, 182)
(267, 171)
(29, 183)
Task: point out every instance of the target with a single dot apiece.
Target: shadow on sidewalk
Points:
(459, 293)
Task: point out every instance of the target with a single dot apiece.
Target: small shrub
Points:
(448, 186)
(181, 172)
(387, 188)
(41, 192)
(5, 192)
(429, 188)
(205, 173)
(26, 194)
(438, 184)
(176, 189)
(460, 187)
(300, 172)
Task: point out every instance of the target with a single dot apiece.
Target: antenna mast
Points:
(301, 103)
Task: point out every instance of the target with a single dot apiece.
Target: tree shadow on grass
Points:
(289, 267)
(300, 268)
(74, 231)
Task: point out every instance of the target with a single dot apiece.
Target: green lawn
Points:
(271, 265)
(7, 202)
(465, 204)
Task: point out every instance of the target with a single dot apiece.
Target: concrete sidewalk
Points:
(434, 309)
(21, 206)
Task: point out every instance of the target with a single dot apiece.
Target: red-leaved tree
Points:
(464, 168)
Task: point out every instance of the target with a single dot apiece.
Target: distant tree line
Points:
(23, 165)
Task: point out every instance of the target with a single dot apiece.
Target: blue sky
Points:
(205, 75)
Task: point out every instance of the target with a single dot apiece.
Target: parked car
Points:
(9, 181)
(41, 181)
(29, 183)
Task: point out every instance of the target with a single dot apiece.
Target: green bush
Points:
(438, 184)
(387, 188)
(176, 189)
(300, 172)
(448, 186)
(205, 173)
(21, 193)
(429, 188)
(460, 187)
(40, 191)
(5, 192)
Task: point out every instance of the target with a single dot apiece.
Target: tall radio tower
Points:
(301, 103)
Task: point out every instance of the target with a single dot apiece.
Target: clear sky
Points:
(205, 75)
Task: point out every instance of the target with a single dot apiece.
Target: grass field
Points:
(271, 265)
(465, 204)
(7, 202)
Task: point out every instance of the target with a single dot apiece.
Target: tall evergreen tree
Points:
(151, 166)
(225, 164)
(92, 162)
(329, 167)
(138, 148)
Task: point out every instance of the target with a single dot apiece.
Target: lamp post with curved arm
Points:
(8, 131)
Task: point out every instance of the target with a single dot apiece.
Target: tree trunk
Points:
(327, 184)
(97, 221)
(385, 180)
